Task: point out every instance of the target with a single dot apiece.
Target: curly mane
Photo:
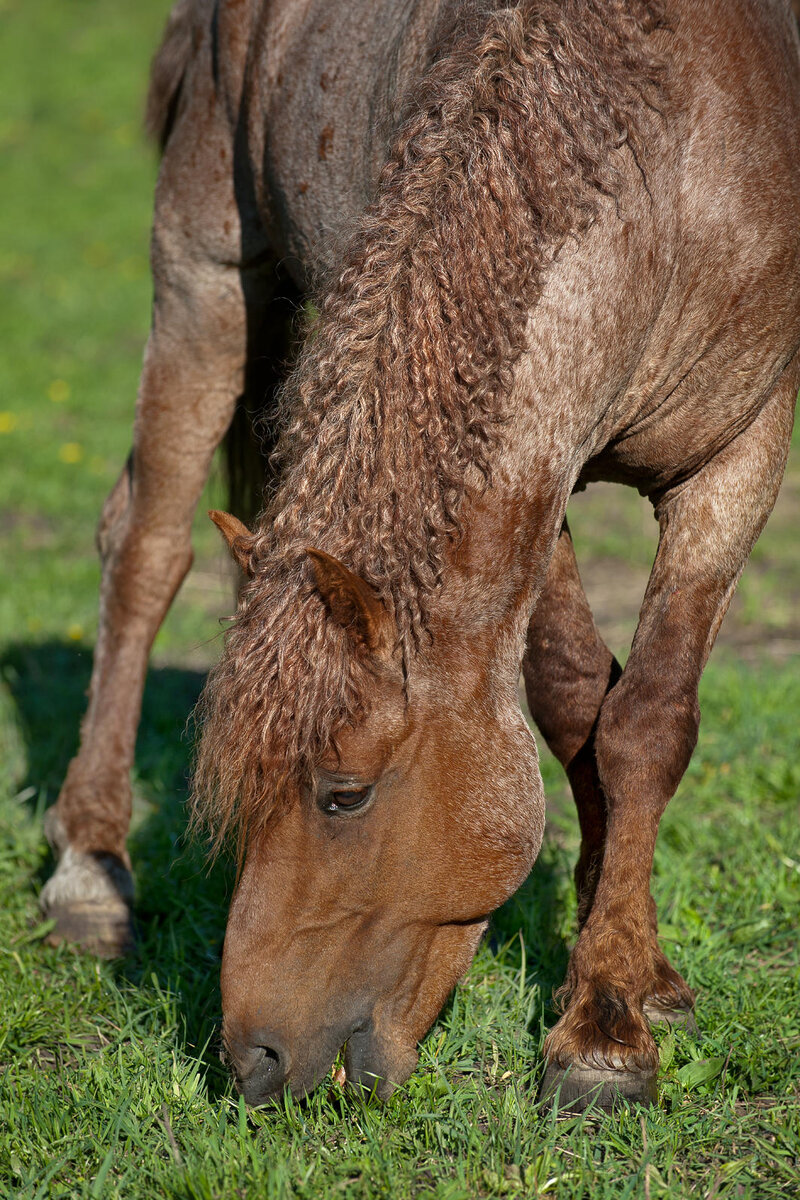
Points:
(398, 400)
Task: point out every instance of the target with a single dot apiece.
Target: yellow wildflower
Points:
(71, 452)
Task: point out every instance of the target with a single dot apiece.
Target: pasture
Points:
(110, 1083)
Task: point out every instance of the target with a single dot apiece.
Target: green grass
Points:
(102, 1066)
(110, 1084)
(74, 280)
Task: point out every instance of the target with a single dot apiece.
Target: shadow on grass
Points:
(48, 682)
(181, 904)
(532, 924)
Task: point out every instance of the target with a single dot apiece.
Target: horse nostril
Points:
(270, 1060)
(262, 1071)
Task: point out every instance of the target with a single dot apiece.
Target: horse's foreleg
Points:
(644, 738)
(193, 373)
(568, 672)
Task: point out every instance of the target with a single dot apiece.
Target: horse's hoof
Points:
(679, 1018)
(579, 1085)
(103, 930)
(90, 896)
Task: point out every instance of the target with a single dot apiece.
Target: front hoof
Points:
(678, 1018)
(90, 896)
(580, 1085)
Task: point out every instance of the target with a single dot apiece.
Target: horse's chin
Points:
(374, 1069)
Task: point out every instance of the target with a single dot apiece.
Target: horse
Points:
(538, 244)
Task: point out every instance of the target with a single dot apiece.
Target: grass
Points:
(111, 1086)
(110, 1083)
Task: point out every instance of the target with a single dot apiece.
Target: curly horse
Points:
(548, 243)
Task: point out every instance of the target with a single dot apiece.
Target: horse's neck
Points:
(498, 566)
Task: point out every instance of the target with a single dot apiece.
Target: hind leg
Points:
(568, 673)
(205, 308)
(644, 738)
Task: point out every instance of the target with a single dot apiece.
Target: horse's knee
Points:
(645, 736)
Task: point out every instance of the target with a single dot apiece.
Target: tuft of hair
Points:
(398, 400)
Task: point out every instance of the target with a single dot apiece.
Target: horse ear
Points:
(238, 537)
(352, 603)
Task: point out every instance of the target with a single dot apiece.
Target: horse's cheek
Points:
(500, 831)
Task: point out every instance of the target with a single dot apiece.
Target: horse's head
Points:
(362, 901)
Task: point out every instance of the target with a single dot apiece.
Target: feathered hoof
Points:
(90, 898)
(103, 930)
(677, 1018)
(576, 1087)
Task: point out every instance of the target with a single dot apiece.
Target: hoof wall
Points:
(678, 1018)
(90, 898)
(106, 931)
(578, 1086)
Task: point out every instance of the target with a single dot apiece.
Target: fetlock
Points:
(604, 1029)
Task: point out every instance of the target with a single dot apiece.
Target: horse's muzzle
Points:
(264, 1067)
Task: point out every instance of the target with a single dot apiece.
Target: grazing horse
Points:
(549, 243)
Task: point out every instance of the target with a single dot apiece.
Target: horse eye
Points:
(345, 799)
